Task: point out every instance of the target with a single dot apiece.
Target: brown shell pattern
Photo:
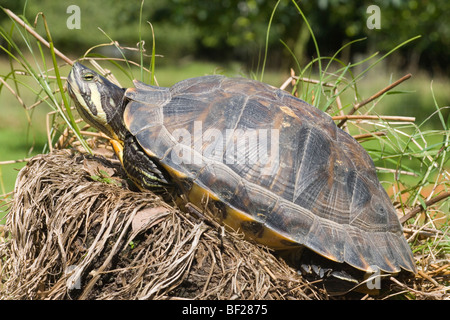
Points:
(318, 188)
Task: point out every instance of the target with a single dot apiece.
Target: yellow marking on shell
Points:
(174, 173)
(152, 154)
(286, 124)
(196, 195)
(127, 118)
(288, 111)
(233, 220)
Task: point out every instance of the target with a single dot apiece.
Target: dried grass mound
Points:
(71, 237)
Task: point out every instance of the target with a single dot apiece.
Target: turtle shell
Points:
(272, 166)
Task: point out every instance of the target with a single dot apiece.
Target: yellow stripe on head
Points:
(98, 101)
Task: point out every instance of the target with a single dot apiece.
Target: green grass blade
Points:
(66, 103)
(266, 49)
(153, 58)
(141, 43)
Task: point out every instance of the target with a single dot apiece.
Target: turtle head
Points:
(98, 101)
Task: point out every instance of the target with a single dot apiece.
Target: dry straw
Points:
(70, 237)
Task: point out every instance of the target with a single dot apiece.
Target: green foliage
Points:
(104, 177)
(119, 20)
(236, 29)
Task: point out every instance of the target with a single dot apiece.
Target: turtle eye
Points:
(88, 76)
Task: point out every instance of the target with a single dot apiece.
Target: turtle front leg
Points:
(140, 168)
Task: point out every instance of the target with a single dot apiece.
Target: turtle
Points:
(263, 161)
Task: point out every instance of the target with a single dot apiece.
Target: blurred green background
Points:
(233, 30)
(195, 38)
